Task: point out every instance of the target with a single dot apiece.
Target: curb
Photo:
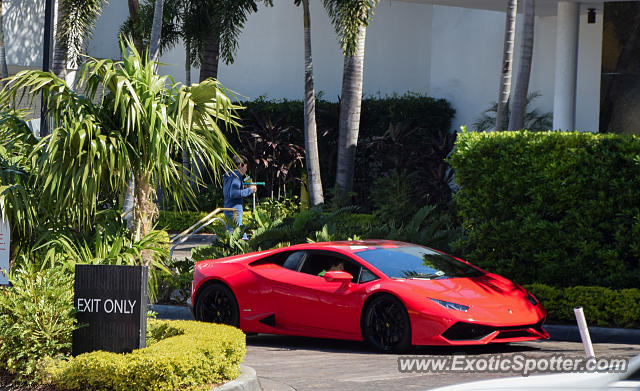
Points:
(171, 312)
(598, 334)
(247, 381)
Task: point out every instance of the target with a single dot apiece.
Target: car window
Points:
(317, 264)
(417, 262)
(635, 376)
(294, 260)
(366, 276)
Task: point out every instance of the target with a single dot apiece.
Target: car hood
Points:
(487, 296)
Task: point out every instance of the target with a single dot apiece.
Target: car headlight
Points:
(532, 299)
(452, 306)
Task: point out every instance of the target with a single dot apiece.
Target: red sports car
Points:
(389, 294)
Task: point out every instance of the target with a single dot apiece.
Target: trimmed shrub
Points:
(191, 354)
(560, 208)
(36, 320)
(602, 307)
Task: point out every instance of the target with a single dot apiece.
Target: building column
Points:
(564, 98)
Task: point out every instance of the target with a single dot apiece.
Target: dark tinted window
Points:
(367, 275)
(635, 376)
(416, 262)
(294, 260)
(319, 263)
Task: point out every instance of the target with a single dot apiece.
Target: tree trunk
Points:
(186, 159)
(349, 123)
(59, 64)
(134, 8)
(4, 71)
(310, 129)
(504, 91)
(156, 31)
(145, 211)
(524, 69)
(210, 54)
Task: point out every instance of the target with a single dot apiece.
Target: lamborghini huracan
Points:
(389, 294)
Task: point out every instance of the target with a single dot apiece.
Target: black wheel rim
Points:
(218, 307)
(385, 324)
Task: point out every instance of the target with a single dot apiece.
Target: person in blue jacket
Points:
(233, 191)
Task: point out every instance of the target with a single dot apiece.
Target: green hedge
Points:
(602, 307)
(560, 208)
(192, 355)
(396, 132)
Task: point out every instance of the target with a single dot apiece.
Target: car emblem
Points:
(509, 311)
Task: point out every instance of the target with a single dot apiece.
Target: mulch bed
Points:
(7, 384)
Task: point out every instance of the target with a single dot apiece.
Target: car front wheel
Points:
(217, 304)
(386, 325)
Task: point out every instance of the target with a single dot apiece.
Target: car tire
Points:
(386, 326)
(217, 304)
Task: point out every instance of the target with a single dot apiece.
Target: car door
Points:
(326, 306)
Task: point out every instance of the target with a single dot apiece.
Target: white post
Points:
(5, 247)
(564, 98)
(584, 332)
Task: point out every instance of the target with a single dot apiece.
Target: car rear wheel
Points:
(385, 325)
(217, 304)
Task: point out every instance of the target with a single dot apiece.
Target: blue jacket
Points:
(232, 189)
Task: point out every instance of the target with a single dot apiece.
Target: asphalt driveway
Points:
(285, 363)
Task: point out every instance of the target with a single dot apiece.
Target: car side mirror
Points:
(338, 276)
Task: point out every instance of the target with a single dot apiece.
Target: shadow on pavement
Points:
(283, 342)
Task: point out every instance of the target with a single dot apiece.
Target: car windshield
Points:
(417, 262)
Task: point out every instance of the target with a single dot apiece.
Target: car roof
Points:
(352, 246)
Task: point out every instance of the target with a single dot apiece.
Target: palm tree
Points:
(134, 8)
(310, 129)
(350, 19)
(507, 66)
(4, 71)
(138, 124)
(156, 32)
(524, 72)
(76, 19)
(217, 29)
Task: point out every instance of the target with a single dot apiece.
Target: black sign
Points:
(112, 307)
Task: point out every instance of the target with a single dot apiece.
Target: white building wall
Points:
(447, 52)
(465, 59)
(23, 22)
(270, 57)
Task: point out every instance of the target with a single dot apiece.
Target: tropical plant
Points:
(350, 19)
(36, 320)
(140, 121)
(310, 129)
(518, 107)
(270, 151)
(75, 21)
(507, 65)
(435, 226)
(534, 119)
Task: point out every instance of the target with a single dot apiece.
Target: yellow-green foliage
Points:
(602, 306)
(190, 355)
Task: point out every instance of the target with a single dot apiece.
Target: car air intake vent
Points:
(462, 331)
(269, 320)
(513, 334)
